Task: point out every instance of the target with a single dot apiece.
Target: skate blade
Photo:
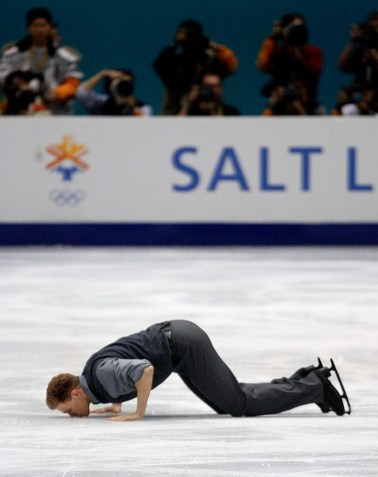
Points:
(344, 394)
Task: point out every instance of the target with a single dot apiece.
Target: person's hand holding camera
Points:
(276, 33)
(111, 74)
(370, 57)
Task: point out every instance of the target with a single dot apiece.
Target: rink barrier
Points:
(188, 181)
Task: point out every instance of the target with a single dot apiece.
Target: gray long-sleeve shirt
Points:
(118, 376)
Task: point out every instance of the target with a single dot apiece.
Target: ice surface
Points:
(268, 312)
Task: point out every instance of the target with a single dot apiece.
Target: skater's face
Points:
(76, 406)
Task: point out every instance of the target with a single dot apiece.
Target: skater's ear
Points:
(76, 393)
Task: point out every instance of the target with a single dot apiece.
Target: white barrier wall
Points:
(189, 170)
(184, 170)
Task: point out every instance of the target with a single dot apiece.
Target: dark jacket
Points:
(150, 344)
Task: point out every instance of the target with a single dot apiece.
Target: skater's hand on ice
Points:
(134, 416)
(116, 407)
(143, 387)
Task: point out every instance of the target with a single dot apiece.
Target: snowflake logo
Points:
(68, 158)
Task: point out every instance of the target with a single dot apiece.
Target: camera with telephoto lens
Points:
(21, 88)
(205, 94)
(290, 94)
(204, 104)
(295, 35)
(124, 88)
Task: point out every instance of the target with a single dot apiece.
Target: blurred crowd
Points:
(40, 75)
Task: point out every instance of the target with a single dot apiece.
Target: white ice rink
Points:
(268, 312)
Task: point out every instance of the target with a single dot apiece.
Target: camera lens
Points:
(125, 88)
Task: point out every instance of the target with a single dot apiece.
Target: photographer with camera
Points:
(180, 65)
(54, 65)
(23, 95)
(360, 57)
(292, 100)
(203, 103)
(206, 99)
(357, 101)
(287, 57)
(118, 98)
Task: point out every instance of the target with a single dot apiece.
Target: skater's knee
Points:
(239, 411)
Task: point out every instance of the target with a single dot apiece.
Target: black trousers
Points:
(206, 374)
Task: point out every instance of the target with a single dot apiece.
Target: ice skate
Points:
(332, 397)
(302, 373)
(344, 395)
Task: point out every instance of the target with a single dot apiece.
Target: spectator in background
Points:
(206, 98)
(118, 98)
(286, 55)
(22, 91)
(180, 65)
(360, 58)
(361, 101)
(292, 100)
(53, 66)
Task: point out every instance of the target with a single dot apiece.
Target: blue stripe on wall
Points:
(188, 234)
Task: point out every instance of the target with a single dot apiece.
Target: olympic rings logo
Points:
(67, 197)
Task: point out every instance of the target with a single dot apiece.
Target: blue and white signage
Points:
(189, 170)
